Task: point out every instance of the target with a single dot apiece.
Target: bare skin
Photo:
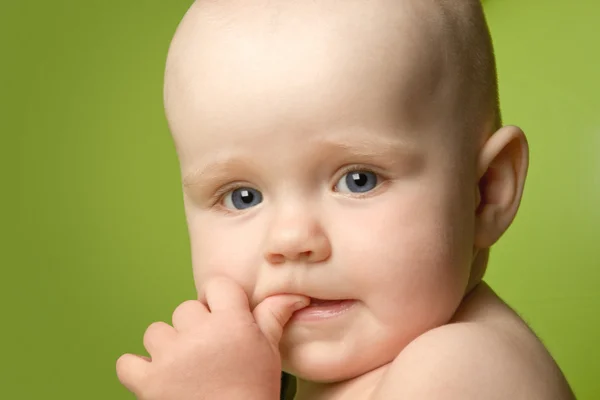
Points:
(485, 352)
(349, 152)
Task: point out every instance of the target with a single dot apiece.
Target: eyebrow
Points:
(216, 169)
(369, 147)
(361, 148)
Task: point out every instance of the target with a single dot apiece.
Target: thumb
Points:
(274, 312)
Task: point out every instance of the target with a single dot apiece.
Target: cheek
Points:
(219, 249)
(410, 256)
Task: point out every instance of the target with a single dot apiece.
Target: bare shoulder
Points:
(486, 352)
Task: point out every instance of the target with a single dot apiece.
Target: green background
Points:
(94, 243)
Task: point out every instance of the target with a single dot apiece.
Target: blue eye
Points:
(357, 182)
(242, 198)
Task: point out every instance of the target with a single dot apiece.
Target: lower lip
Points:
(330, 309)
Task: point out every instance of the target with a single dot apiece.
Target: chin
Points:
(327, 368)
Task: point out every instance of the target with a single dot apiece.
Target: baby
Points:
(345, 172)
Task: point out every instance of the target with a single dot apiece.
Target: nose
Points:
(297, 236)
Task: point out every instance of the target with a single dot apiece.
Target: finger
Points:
(157, 335)
(132, 371)
(223, 294)
(274, 312)
(188, 315)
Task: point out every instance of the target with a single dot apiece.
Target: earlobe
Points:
(502, 168)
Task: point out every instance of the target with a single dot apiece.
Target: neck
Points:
(358, 387)
(478, 267)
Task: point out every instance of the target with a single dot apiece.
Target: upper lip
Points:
(312, 298)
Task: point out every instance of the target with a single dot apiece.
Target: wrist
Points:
(249, 393)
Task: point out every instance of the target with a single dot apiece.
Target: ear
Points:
(502, 169)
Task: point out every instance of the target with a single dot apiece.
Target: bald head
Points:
(278, 56)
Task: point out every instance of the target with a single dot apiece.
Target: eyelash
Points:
(217, 198)
(356, 168)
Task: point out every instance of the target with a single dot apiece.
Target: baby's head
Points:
(343, 150)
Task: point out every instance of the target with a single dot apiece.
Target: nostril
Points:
(279, 258)
(276, 258)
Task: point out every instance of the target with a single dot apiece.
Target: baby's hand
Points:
(223, 353)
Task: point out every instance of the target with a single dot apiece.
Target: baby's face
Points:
(324, 162)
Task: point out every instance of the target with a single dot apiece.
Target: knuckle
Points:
(121, 365)
(154, 327)
(277, 315)
(131, 375)
(123, 368)
(152, 333)
(184, 308)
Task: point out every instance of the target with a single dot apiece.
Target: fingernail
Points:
(298, 305)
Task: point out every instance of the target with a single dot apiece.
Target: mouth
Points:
(321, 310)
(314, 302)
